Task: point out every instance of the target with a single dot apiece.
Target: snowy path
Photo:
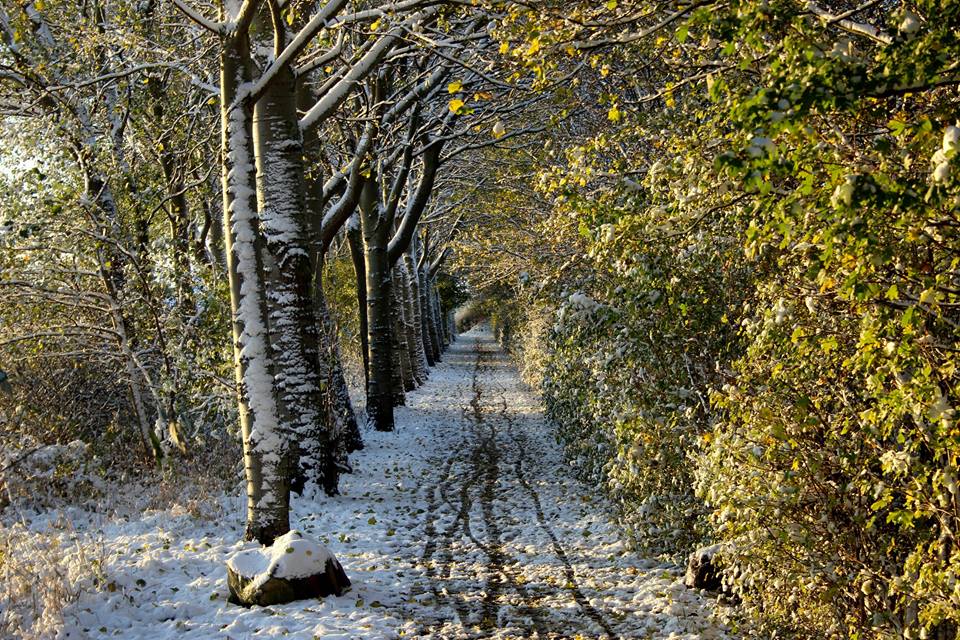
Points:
(515, 547)
(465, 523)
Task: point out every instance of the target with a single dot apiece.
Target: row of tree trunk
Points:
(281, 214)
(404, 328)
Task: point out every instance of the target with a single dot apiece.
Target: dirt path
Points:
(513, 546)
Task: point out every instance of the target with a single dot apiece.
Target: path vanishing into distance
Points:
(513, 545)
(464, 523)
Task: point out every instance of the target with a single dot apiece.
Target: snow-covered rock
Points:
(294, 567)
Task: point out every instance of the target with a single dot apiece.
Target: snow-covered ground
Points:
(464, 523)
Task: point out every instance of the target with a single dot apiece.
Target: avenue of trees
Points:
(719, 236)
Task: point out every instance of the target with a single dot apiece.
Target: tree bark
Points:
(444, 324)
(397, 383)
(294, 336)
(355, 241)
(431, 311)
(431, 354)
(265, 445)
(339, 414)
(434, 319)
(377, 266)
(441, 334)
(418, 361)
(402, 345)
(451, 326)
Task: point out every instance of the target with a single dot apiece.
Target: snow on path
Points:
(465, 523)
(515, 547)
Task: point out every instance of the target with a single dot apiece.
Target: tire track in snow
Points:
(503, 554)
(479, 456)
(520, 445)
(558, 550)
(499, 574)
(438, 549)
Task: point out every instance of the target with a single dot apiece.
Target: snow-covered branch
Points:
(213, 27)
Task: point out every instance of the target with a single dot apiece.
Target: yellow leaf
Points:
(611, 4)
(614, 114)
(375, 25)
(534, 47)
(454, 86)
(504, 47)
(499, 130)
(290, 17)
(456, 105)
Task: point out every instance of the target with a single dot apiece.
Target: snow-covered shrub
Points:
(628, 367)
(40, 575)
(530, 347)
(833, 472)
(822, 167)
(39, 474)
(62, 401)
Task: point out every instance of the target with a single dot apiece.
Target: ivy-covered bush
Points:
(759, 320)
(832, 475)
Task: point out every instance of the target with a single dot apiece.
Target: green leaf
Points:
(828, 344)
(584, 230)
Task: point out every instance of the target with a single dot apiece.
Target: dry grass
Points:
(44, 570)
(41, 574)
